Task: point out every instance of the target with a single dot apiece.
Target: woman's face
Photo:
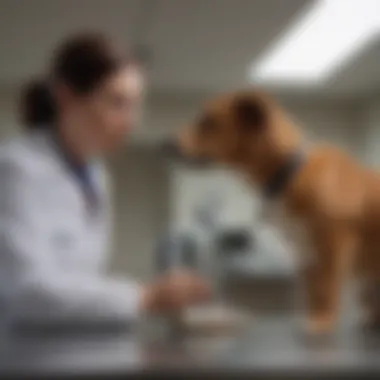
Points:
(104, 117)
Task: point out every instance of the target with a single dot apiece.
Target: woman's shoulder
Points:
(21, 154)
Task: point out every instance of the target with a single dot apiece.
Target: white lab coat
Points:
(53, 253)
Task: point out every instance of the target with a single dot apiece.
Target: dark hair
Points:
(83, 62)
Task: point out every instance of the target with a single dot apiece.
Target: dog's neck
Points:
(275, 173)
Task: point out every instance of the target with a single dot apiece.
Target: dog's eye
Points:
(206, 125)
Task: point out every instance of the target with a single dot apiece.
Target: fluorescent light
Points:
(329, 34)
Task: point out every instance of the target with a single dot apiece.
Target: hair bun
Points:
(37, 105)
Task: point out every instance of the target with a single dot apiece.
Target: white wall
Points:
(8, 107)
(141, 209)
(371, 127)
(335, 122)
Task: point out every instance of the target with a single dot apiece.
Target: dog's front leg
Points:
(324, 277)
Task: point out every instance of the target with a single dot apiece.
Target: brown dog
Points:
(328, 203)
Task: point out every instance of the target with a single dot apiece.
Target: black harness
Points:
(280, 180)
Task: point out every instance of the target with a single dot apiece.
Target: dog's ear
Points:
(250, 114)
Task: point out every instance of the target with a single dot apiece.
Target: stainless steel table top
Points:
(270, 347)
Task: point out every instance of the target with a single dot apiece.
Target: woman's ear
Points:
(250, 114)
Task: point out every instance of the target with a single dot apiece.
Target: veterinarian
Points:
(54, 197)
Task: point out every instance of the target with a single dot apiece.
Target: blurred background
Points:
(193, 50)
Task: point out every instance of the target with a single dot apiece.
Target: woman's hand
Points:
(175, 291)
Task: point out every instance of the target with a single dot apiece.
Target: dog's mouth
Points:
(172, 150)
